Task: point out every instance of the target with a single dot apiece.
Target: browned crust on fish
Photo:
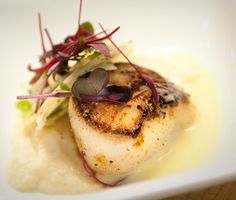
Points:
(109, 117)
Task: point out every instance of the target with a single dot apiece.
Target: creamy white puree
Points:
(48, 161)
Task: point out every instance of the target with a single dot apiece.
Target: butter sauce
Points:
(197, 144)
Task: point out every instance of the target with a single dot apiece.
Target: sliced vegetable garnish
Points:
(90, 53)
(87, 79)
(73, 45)
(64, 86)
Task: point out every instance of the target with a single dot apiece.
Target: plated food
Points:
(128, 134)
(101, 118)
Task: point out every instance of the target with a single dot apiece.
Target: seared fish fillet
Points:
(117, 138)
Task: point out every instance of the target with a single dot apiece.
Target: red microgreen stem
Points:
(44, 67)
(92, 175)
(44, 96)
(41, 36)
(63, 55)
(35, 78)
(148, 80)
(44, 84)
(80, 11)
(138, 94)
(75, 36)
(53, 61)
(49, 37)
(39, 71)
(29, 67)
(102, 38)
(94, 35)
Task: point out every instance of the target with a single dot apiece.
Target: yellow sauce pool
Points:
(197, 144)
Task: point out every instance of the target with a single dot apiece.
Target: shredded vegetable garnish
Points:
(87, 49)
(87, 79)
(64, 86)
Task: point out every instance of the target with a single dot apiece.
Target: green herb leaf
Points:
(24, 106)
(64, 86)
(88, 27)
(94, 55)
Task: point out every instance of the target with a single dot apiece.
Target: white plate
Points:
(204, 27)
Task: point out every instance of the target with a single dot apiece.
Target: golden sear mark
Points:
(139, 141)
(101, 159)
(126, 119)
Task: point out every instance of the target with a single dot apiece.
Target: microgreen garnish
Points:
(147, 79)
(44, 96)
(69, 49)
(45, 83)
(49, 37)
(88, 27)
(102, 47)
(94, 88)
(41, 36)
(117, 93)
(80, 12)
(92, 84)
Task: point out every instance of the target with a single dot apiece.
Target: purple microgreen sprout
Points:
(92, 84)
(80, 12)
(94, 88)
(45, 83)
(107, 35)
(101, 47)
(49, 37)
(116, 92)
(41, 36)
(147, 79)
(45, 96)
